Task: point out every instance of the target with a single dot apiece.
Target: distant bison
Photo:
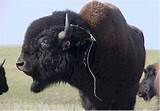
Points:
(150, 85)
(3, 82)
(104, 61)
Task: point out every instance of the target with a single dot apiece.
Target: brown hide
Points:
(120, 52)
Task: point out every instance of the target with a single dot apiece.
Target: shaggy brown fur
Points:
(123, 48)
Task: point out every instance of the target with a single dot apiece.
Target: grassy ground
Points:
(61, 97)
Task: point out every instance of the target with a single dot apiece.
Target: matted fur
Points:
(121, 53)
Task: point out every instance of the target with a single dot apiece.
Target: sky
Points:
(16, 15)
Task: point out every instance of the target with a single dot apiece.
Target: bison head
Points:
(51, 55)
(3, 82)
(146, 89)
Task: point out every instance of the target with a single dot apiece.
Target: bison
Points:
(103, 60)
(150, 85)
(3, 81)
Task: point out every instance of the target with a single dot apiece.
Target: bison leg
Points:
(125, 99)
(86, 103)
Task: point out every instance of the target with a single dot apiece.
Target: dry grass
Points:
(58, 97)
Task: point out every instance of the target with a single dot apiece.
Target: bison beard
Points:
(55, 50)
(38, 86)
(41, 83)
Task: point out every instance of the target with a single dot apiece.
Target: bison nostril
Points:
(20, 63)
(23, 66)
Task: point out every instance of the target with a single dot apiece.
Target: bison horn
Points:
(62, 34)
(66, 23)
(3, 63)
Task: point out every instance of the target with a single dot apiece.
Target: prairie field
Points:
(56, 97)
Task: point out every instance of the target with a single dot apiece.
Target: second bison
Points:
(3, 81)
(150, 85)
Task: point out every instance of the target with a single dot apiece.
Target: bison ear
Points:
(2, 63)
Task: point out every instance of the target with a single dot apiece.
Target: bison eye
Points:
(44, 44)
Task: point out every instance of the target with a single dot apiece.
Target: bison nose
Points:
(20, 64)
